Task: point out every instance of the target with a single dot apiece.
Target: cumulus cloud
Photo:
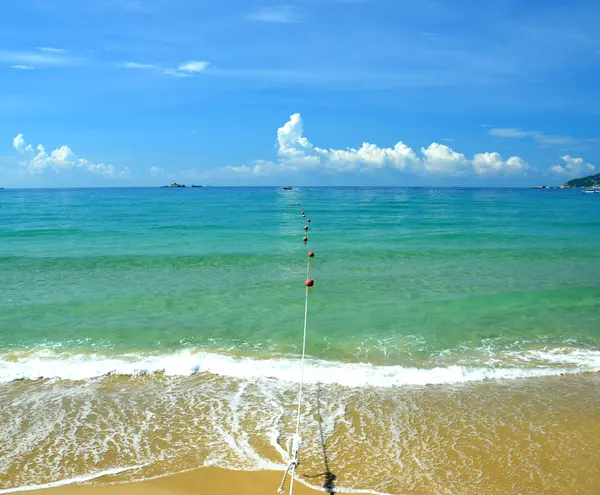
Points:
(490, 163)
(61, 158)
(443, 160)
(296, 153)
(573, 166)
(156, 171)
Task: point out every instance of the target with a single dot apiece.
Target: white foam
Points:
(70, 481)
(52, 365)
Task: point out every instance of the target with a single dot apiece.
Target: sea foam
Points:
(55, 365)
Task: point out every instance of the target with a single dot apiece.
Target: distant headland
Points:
(175, 185)
(589, 181)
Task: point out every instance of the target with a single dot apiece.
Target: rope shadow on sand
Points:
(328, 477)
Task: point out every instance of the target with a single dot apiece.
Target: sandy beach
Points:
(204, 481)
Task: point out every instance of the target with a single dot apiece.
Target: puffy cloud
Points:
(492, 163)
(441, 159)
(296, 153)
(61, 158)
(19, 144)
(573, 166)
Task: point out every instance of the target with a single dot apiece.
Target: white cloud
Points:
(49, 49)
(136, 65)
(544, 140)
(19, 144)
(492, 163)
(573, 166)
(282, 13)
(37, 58)
(443, 160)
(184, 70)
(61, 158)
(296, 153)
(156, 171)
(22, 67)
(193, 66)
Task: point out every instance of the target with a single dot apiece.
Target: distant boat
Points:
(591, 191)
(287, 188)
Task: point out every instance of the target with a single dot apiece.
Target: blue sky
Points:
(349, 92)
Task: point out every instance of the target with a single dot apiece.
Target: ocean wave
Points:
(49, 364)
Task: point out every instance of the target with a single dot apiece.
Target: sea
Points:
(453, 336)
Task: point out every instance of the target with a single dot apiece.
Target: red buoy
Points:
(311, 255)
(305, 239)
(310, 282)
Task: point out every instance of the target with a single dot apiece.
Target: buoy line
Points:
(295, 442)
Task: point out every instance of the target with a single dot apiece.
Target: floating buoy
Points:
(305, 239)
(310, 282)
(304, 215)
(306, 227)
(308, 220)
(311, 255)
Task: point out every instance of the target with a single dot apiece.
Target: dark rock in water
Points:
(174, 185)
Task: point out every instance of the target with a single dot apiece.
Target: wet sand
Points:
(204, 481)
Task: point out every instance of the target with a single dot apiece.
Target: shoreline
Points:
(204, 480)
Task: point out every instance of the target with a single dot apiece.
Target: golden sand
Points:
(204, 481)
(521, 437)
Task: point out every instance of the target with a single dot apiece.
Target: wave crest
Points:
(49, 364)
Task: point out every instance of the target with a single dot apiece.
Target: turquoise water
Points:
(453, 335)
(402, 275)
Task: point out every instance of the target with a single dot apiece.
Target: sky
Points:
(308, 92)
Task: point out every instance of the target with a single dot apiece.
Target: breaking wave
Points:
(47, 364)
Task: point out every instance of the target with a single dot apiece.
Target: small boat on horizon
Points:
(287, 188)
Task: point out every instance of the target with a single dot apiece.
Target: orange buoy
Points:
(311, 255)
(305, 239)
(310, 282)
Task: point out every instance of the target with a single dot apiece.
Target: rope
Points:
(296, 441)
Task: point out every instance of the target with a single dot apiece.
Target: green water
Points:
(402, 275)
